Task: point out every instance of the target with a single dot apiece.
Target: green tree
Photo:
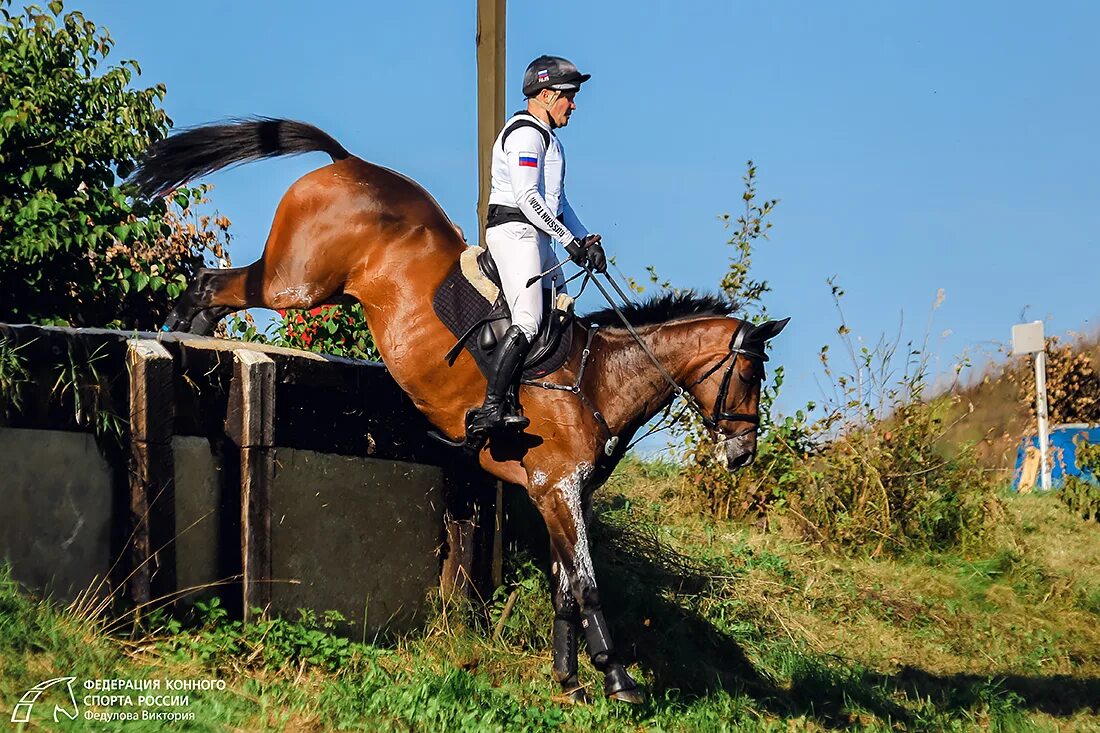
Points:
(75, 249)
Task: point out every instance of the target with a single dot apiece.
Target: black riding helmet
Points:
(552, 72)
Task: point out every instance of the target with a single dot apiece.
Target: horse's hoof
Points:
(634, 697)
(175, 323)
(576, 695)
(619, 685)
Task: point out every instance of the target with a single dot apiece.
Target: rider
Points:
(527, 206)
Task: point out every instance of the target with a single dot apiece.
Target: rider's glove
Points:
(588, 252)
(576, 251)
(596, 257)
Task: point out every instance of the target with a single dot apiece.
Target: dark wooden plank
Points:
(152, 471)
(325, 404)
(250, 424)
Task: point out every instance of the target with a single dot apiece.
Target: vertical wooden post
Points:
(491, 28)
(469, 566)
(492, 33)
(250, 423)
(458, 566)
(456, 572)
(498, 537)
(152, 470)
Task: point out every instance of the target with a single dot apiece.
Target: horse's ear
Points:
(767, 330)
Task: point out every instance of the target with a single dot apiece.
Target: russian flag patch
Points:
(528, 160)
(543, 75)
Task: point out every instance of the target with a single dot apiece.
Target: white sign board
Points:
(1028, 338)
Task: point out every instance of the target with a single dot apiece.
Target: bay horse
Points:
(352, 229)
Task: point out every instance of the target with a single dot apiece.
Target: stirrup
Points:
(508, 421)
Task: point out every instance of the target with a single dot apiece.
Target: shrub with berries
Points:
(340, 330)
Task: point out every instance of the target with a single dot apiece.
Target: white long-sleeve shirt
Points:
(528, 174)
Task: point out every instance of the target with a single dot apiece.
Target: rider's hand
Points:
(576, 251)
(588, 253)
(596, 257)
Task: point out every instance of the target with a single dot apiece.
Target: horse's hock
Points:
(175, 467)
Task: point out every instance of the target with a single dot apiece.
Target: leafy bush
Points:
(13, 377)
(1082, 493)
(749, 492)
(340, 330)
(883, 479)
(872, 474)
(1073, 386)
(75, 248)
(214, 640)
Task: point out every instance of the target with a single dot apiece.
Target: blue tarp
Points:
(1063, 455)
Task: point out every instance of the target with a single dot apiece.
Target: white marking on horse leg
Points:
(570, 488)
(563, 578)
(538, 478)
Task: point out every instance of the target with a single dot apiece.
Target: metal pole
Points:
(1041, 410)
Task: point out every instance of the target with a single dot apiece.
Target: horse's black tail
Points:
(174, 161)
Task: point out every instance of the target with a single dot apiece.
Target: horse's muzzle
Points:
(738, 452)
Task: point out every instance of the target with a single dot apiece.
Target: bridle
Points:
(736, 346)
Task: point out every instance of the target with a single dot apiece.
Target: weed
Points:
(13, 377)
(80, 380)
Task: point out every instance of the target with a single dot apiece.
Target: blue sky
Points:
(913, 146)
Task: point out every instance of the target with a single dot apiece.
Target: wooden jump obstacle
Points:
(305, 480)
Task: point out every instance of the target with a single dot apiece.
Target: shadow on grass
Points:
(1059, 696)
(690, 659)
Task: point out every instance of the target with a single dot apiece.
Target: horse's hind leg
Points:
(212, 295)
(215, 293)
(204, 323)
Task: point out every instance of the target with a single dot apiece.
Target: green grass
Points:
(731, 628)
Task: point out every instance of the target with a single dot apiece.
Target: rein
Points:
(735, 347)
(711, 421)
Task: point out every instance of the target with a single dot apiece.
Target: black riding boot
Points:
(497, 411)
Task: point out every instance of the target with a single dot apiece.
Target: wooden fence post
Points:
(152, 470)
(470, 522)
(498, 537)
(250, 423)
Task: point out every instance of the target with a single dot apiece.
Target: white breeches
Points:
(522, 252)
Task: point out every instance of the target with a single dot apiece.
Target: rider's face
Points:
(562, 108)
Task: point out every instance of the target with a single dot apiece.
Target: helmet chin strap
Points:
(537, 99)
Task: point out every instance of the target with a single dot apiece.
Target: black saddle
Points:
(471, 303)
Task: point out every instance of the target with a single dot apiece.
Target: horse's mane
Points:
(665, 307)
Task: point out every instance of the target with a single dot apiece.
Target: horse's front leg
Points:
(561, 508)
(567, 624)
